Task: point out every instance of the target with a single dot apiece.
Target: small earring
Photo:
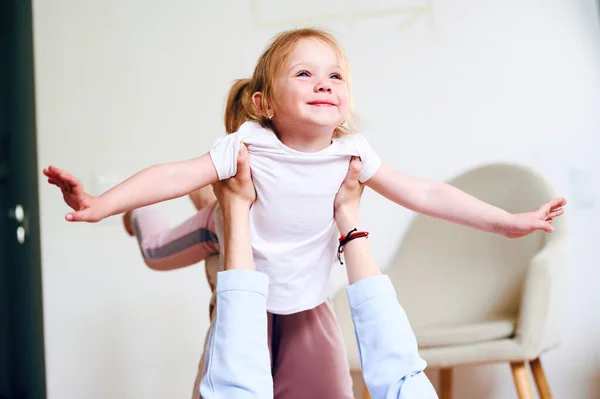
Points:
(270, 116)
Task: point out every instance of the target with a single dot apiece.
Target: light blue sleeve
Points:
(391, 365)
(237, 361)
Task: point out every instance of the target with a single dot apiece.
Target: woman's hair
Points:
(239, 107)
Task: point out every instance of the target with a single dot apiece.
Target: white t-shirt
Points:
(293, 232)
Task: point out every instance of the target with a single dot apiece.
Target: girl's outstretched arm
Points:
(445, 202)
(152, 185)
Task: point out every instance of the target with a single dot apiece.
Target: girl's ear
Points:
(257, 100)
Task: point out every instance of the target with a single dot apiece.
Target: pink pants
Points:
(308, 357)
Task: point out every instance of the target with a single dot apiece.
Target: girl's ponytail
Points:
(239, 108)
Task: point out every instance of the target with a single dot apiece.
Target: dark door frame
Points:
(21, 263)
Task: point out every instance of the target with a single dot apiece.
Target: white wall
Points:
(123, 84)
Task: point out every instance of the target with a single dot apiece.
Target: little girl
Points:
(293, 115)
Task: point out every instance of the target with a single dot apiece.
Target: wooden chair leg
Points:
(366, 394)
(446, 384)
(540, 379)
(522, 382)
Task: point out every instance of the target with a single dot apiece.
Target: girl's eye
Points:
(336, 76)
(303, 74)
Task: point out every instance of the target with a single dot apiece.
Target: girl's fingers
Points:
(80, 216)
(556, 213)
(57, 182)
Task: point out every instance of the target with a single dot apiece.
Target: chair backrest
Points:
(446, 274)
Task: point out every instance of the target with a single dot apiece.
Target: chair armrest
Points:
(542, 299)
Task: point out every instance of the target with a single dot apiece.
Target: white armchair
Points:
(474, 297)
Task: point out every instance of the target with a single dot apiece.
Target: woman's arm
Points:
(152, 185)
(391, 365)
(359, 259)
(237, 354)
(445, 202)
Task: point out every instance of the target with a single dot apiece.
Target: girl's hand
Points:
(522, 224)
(74, 195)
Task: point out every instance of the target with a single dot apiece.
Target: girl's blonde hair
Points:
(239, 107)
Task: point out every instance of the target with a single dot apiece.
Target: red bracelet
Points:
(343, 240)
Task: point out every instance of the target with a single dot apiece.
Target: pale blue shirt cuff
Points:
(243, 280)
(390, 361)
(237, 360)
(369, 288)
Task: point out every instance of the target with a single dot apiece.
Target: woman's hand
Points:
(360, 263)
(235, 196)
(239, 189)
(347, 200)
